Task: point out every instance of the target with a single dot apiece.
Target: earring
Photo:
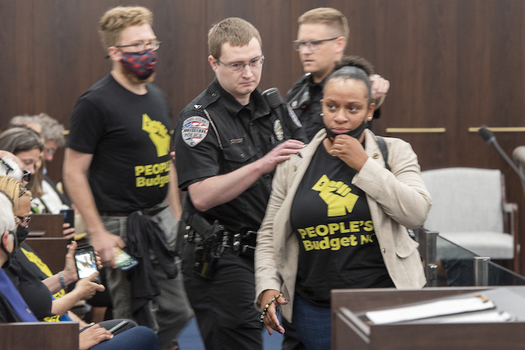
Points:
(322, 114)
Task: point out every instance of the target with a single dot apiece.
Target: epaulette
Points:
(206, 100)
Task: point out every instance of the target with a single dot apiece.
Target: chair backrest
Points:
(465, 200)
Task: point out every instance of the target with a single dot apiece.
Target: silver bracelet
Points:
(61, 279)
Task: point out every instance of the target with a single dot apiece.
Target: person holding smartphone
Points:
(26, 263)
(117, 164)
(15, 308)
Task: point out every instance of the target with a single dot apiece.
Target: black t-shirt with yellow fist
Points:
(128, 136)
(338, 245)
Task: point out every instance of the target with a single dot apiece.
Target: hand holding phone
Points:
(86, 262)
(124, 260)
(118, 326)
(69, 217)
(87, 287)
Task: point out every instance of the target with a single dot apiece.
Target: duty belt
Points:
(198, 230)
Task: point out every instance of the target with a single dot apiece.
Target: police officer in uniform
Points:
(228, 142)
(321, 41)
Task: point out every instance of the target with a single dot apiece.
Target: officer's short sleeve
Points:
(86, 127)
(197, 151)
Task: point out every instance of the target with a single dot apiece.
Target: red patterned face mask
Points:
(140, 64)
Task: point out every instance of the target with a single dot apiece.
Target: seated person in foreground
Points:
(29, 273)
(337, 217)
(13, 308)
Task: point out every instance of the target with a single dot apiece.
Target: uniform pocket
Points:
(239, 153)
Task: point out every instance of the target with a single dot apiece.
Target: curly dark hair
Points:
(354, 61)
(354, 68)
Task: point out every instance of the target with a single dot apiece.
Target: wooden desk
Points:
(39, 335)
(349, 331)
(51, 224)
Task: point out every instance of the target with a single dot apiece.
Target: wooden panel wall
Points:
(451, 63)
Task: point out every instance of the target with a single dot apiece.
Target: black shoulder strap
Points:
(384, 150)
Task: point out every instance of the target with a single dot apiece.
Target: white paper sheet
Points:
(432, 309)
(478, 317)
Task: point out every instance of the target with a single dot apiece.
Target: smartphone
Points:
(118, 326)
(69, 217)
(124, 260)
(86, 262)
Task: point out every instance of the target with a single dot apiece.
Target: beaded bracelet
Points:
(268, 305)
(61, 279)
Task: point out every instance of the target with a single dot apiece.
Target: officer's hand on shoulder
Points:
(279, 154)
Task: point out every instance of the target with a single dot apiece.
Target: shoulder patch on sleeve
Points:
(293, 116)
(194, 130)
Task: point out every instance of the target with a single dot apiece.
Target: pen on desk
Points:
(482, 297)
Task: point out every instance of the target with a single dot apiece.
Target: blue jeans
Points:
(313, 324)
(136, 338)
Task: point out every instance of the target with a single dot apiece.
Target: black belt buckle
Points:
(249, 237)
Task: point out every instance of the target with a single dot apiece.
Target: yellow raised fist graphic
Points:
(158, 134)
(337, 195)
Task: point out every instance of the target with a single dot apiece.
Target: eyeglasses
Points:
(22, 190)
(50, 151)
(239, 67)
(9, 167)
(141, 46)
(312, 45)
(23, 220)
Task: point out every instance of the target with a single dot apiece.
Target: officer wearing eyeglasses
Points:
(228, 142)
(321, 41)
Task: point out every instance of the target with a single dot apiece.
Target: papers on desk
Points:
(478, 317)
(439, 308)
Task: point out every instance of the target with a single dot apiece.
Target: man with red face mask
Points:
(117, 172)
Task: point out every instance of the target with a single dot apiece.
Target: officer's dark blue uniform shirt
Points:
(216, 135)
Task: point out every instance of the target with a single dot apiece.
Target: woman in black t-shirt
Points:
(337, 217)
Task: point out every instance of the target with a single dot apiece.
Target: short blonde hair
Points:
(7, 218)
(115, 20)
(329, 16)
(11, 188)
(236, 31)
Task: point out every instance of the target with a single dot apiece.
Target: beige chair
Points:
(469, 208)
